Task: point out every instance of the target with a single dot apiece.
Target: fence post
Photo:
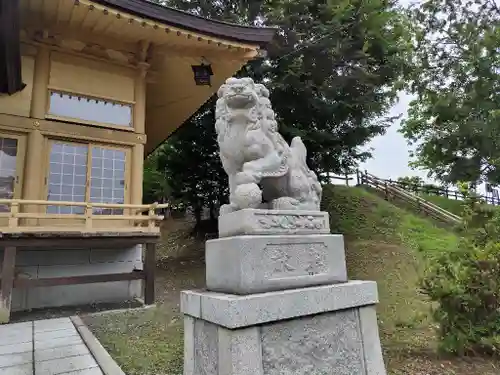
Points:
(13, 219)
(152, 214)
(88, 216)
(386, 192)
(346, 179)
(358, 181)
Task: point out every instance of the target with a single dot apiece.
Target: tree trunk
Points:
(197, 215)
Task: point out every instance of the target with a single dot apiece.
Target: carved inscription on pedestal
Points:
(320, 345)
(273, 222)
(291, 222)
(295, 259)
(205, 348)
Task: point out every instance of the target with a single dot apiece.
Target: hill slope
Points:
(388, 245)
(383, 243)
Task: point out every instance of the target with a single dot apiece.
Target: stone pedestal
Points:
(279, 302)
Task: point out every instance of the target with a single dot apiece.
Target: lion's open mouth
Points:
(240, 101)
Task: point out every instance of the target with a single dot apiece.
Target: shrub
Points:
(465, 284)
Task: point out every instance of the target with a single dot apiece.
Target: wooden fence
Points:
(131, 216)
(392, 191)
(432, 190)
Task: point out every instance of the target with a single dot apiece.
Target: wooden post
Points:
(137, 170)
(14, 210)
(88, 216)
(149, 272)
(152, 217)
(358, 180)
(39, 100)
(137, 165)
(7, 282)
(386, 193)
(41, 75)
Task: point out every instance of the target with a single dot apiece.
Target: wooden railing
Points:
(18, 218)
(393, 191)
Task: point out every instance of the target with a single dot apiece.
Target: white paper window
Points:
(8, 160)
(107, 178)
(67, 177)
(93, 110)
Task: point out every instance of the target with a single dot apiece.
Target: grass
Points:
(391, 246)
(142, 342)
(449, 204)
(383, 243)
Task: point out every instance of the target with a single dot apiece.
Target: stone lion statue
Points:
(263, 170)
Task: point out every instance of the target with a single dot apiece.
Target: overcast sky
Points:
(390, 151)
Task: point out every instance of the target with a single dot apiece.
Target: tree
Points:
(333, 73)
(454, 119)
(191, 163)
(156, 186)
(411, 180)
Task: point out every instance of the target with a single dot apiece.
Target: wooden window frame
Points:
(75, 120)
(89, 145)
(20, 165)
(20, 160)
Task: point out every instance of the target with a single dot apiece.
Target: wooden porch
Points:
(94, 225)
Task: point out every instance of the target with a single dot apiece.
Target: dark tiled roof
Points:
(174, 17)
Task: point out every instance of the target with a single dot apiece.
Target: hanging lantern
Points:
(202, 74)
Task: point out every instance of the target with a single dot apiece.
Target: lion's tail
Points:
(299, 151)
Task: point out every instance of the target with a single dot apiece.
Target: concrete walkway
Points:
(45, 347)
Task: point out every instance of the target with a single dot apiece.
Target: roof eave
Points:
(260, 36)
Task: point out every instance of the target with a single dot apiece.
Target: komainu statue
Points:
(263, 170)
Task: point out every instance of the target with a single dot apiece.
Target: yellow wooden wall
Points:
(19, 104)
(24, 114)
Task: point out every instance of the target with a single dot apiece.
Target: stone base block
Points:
(262, 263)
(254, 221)
(319, 330)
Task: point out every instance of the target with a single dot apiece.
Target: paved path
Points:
(45, 347)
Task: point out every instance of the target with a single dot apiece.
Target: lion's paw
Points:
(285, 203)
(247, 196)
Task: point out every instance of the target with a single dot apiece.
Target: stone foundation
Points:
(35, 263)
(317, 330)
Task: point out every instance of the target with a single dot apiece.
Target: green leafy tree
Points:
(454, 119)
(192, 166)
(465, 283)
(333, 71)
(411, 180)
(156, 186)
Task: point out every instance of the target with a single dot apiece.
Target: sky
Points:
(391, 151)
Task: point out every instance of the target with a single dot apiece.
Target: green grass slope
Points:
(449, 204)
(389, 245)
